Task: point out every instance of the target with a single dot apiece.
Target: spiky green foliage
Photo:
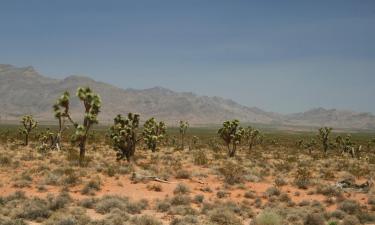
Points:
(323, 136)
(252, 137)
(184, 125)
(123, 135)
(231, 133)
(28, 123)
(153, 133)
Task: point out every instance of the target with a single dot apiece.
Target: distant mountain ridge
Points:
(23, 90)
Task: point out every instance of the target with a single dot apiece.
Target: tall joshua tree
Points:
(123, 135)
(323, 136)
(153, 132)
(184, 125)
(92, 103)
(28, 123)
(231, 133)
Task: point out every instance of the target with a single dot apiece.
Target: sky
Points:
(282, 56)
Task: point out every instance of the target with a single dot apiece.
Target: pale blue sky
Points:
(282, 56)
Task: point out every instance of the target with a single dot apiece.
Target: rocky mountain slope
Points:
(23, 90)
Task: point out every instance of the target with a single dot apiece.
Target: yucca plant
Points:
(252, 137)
(231, 133)
(184, 125)
(123, 135)
(28, 123)
(323, 136)
(153, 133)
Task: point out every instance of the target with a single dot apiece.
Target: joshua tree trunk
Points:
(26, 139)
(82, 151)
(231, 152)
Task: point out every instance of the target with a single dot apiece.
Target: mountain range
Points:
(24, 91)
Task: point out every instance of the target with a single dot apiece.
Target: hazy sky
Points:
(283, 56)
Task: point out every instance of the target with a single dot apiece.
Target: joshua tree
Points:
(153, 132)
(123, 135)
(347, 146)
(252, 136)
(323, 136)
(61, 109)
(184, 125)
(92, 104)
(310, 145)
(231, 133)
(29, 123)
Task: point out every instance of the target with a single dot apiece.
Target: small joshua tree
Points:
(323, 136)
(347, 146)
(29, 123)
(231, 133)
(123, 135)
(153, 133)
(184, 125)
(310, 145)
(252, 136)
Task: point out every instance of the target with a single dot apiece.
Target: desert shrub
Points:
(338, 214)
(136, 207)
(182, 210)
(154, 187)
(58, 202)
(232, 172)
(183, 174)
(33, 209)
(350, 206)
(91, 186)
(200, 158)
(115, 217)
(181, 189)
(328, 190)
(224, 217)
(74, 216)
(279, 182)
(222, 194)
(9, 221)
(163, 206)
(145, 220)
(180, 200)
(272, 191)
(268, 218)
(88, 203)
(350, 220)
(314, 219)
(5, 160)
(108, 203)
(186, 220)
(198, 198)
